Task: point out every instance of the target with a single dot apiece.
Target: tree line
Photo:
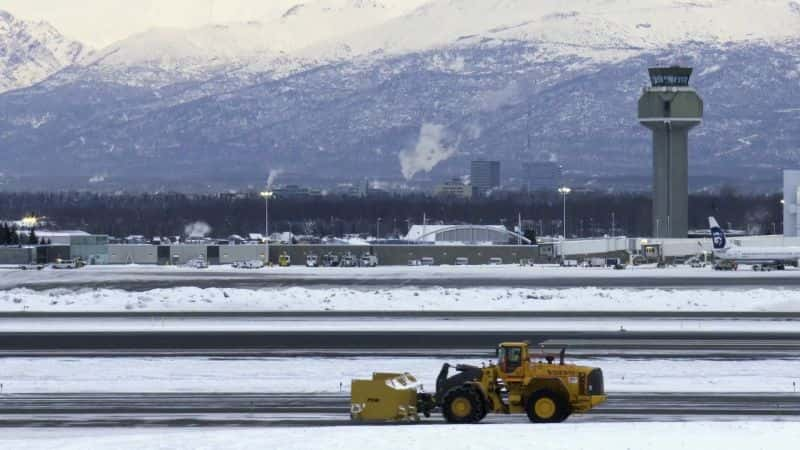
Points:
(10, 235)
(588, 213)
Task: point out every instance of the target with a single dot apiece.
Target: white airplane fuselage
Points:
(760, 255)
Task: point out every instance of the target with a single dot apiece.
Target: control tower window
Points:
(670, 76)
(670, 80)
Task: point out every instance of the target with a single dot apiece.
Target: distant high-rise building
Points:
(541, 175)
(453, 188)
(484, 176)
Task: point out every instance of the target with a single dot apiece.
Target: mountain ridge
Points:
(408, 109)
(32, 51)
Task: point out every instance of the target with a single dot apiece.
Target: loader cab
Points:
(511, 356)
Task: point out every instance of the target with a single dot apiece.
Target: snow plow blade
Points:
(387, 397)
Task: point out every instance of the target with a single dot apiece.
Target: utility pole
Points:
(267, 195)
(564, 192)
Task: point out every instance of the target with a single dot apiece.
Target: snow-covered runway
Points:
(298, 324)
(773, 435)
(196, 374)
(141, 278)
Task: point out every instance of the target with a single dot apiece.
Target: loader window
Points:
(510, 358)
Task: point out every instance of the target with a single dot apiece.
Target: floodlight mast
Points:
(266, 195)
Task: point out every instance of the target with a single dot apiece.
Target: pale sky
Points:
(102, 22)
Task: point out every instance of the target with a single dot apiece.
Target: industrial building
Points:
(670, 108)
(484, 176)
(465, 234)
(91, 248)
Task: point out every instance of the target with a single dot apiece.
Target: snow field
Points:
(400, 299)
(280, 375)
(565, 436)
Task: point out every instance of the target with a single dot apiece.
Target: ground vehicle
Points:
(252, 264)
(427, 261)
(726, 264)
(312, 260)
(597, 262)
(569, 263)
(695, 262)
(284, 260)
(368, 260)
(348, 260)
(462, 261)
(31, 267)
(544, 390)
(197, 263)
(67, 264)
(495, 261)
(330, 260)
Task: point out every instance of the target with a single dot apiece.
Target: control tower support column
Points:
(670, 108)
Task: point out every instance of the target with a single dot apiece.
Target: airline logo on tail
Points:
(717, 235)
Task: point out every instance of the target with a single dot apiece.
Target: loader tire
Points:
(463, 405)
(545, 406)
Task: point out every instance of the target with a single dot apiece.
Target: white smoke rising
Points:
(427, 153)
(273, 175)
(197, 229)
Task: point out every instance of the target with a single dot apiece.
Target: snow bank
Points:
(397, 299)
(565, 436)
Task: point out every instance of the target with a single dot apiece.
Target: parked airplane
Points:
(761, 258)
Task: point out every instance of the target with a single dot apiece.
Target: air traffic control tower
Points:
(670, 108)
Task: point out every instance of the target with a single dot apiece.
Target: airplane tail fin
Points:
(717, 235)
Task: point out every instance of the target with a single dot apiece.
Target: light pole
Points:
(613, 223)
(267, 195)
(564, 192)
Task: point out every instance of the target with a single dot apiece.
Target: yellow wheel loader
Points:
(284, 260)
(542, 389)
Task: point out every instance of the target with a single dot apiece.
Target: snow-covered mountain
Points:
(32, 51)
(270, 45)
(606, 29)
(324, 31)
(394, 88)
